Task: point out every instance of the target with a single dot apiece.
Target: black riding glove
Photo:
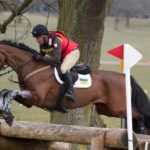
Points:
(37, 57)
(53, 61)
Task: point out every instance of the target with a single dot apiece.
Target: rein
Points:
(3, 68)
(7, 72)
(24, 64)
(17, 68)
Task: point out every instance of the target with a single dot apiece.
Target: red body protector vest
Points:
(68, 45)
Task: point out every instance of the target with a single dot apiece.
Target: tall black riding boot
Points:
(69, 85)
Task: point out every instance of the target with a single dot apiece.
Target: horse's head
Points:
(18, 56)
(15, 55)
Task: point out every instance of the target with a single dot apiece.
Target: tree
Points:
(16, 10)
(129, 9)
(83, 21)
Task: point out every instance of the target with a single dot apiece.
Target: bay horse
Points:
(107, 91)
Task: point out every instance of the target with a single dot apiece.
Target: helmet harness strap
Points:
(44, 39)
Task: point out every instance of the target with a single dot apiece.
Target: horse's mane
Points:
(21, 46)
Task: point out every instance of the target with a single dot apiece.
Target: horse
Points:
(107, 91)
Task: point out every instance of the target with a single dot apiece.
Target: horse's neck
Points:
(21, 62)
(16, 58)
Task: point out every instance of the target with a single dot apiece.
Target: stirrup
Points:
(70, 96)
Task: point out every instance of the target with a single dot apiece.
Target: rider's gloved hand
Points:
(37, 57)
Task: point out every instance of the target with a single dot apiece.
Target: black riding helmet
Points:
(39, 30)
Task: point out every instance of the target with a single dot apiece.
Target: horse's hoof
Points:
(4, 92)
(8, 117)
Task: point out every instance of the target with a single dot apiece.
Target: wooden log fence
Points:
(38, 136)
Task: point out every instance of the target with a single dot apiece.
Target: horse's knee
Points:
(139, 127)
(23, 101)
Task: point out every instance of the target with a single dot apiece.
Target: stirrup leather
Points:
(70, 94)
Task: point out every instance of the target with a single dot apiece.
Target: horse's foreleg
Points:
(23, 97)
(24, 94)
(6, 98)
(26, 98)
(8, 95)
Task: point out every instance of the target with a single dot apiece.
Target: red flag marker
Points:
(117, 52)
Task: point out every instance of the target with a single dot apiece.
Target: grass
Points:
(20, 112)
(137, 35)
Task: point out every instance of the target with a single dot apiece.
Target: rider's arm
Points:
(57, 44)
(41, 52)
(55, 59)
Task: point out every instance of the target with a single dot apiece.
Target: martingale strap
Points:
(35, 72)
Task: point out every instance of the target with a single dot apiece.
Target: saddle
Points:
(81, 79)
(81, 68)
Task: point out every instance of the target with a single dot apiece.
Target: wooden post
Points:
(97, 143)
(111, 139)
(143, 141)
(114, 138)
(7, 143)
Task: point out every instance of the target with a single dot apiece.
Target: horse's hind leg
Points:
(102, 109)
(138, 126)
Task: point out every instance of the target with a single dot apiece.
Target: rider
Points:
(60, 49)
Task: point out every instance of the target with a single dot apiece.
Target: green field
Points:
(138, 35)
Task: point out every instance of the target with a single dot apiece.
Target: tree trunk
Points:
(127, 21)
(83, 21)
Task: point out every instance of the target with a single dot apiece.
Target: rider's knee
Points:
(63, 69)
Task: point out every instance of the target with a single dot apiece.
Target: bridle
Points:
(20, 82)
(4, 67)
(17, 68)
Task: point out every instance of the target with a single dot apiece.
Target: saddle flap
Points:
(82, 81)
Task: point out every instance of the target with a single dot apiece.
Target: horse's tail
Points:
(141, 101)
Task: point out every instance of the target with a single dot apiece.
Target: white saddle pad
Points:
(84, 81)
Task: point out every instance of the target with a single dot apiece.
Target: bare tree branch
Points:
(16, 11)
(24, 33)
(50, 5)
